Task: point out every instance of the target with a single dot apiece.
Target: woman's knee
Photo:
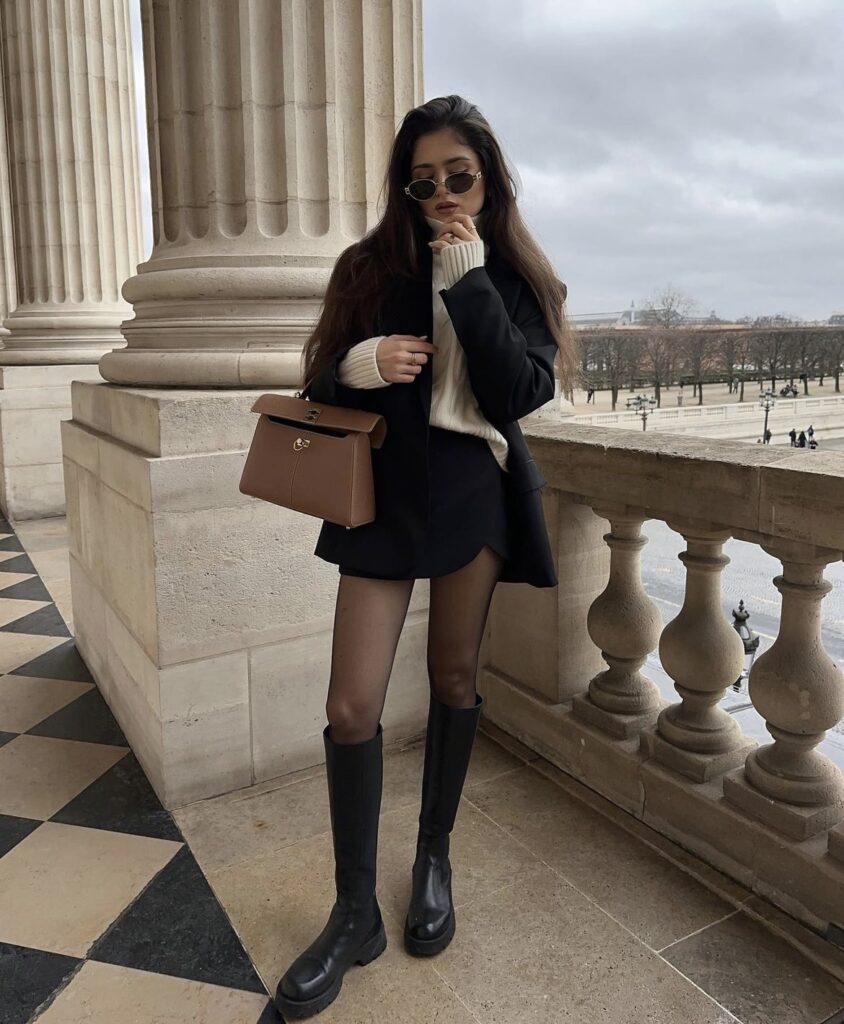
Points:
(454, 685)
(351, 721)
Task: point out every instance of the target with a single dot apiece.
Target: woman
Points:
(447, 319)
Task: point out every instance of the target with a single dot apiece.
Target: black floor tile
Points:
(27, 590)
(6, 736)
(28, 977)
(177, 927)
(270, 1016)
(11, 543)
(21, 563)
(88, 718)
(42, 622)
(62, 662)
(122, 800)
(13, 830)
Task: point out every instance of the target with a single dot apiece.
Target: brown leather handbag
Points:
(314, 458)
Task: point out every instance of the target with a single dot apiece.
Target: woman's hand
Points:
(400, 356)
(460, 229)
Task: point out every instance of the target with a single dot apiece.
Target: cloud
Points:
(701, 143)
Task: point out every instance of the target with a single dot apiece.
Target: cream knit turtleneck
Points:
(453, 403)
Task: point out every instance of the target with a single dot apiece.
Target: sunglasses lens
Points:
(460, 182)
(423, 188)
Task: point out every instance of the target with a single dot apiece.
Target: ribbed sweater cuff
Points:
(460, 257)
(359, 367)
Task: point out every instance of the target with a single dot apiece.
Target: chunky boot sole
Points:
(293, 1009)
(429, 947)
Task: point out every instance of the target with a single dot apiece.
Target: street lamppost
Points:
(642, 404)
(767, 400)
(750, 642)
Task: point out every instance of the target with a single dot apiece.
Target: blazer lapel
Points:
(410, 308)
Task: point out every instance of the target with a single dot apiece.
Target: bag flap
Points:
(313, 413)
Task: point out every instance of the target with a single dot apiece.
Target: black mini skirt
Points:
(468, 506)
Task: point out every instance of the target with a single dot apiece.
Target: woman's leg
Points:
(367, 625)
(368, 620)
(459, 608)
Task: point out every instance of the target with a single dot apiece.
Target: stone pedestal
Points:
(202, 612)
(33, 402)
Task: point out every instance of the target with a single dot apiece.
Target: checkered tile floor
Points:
(105, 915)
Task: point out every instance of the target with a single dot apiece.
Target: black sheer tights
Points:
(368, 620)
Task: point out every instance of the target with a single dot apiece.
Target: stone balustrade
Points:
(769, 815)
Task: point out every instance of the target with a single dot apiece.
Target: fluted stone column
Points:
(269, 123)
(74, 177)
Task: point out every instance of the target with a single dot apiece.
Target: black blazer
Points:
(510, 362)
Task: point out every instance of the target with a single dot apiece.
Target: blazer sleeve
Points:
(510, 363)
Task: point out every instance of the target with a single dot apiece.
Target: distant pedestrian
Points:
(768, 436)
(801, 439)
(811, 431)
(793, 435)
(590, 396)
(813, 443)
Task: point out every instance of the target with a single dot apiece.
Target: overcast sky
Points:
(698, 143)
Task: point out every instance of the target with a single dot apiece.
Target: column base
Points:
(203, 613)
(33, 402)
(791, 820)
(257, 367)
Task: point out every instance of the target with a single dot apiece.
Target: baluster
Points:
(799, 691)
(703, 654)
(625, 624)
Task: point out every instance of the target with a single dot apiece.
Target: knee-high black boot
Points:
(355, 931)
(430, 922)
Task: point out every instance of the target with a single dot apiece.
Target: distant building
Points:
(633, 317)
(836, 320)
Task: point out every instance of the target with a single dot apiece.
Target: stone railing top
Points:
(790, 493)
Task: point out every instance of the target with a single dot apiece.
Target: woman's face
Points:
(437, 155)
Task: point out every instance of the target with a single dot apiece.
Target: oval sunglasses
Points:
(425, 188)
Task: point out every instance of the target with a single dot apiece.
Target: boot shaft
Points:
(354, 773)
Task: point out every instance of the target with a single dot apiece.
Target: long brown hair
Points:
(391, 249)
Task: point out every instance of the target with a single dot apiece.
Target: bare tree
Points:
(611, 351)
(657, 357)
(698, 348)
(668, 307)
